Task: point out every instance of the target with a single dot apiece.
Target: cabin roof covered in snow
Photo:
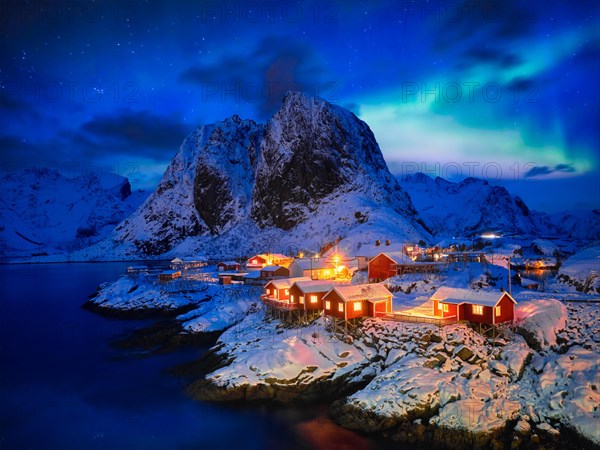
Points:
(369, 292)
(267, 256)
(229, 263)
(314, 264)
(253, 274)
(311, 286)
(285, 283)
(460, 295)
(397, 257)
(371, 250)
(271, 268)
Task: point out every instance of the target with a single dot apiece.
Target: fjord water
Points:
(63, 386)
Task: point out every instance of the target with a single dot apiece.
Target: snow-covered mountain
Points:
(474, 205)
(314, 174)
(44, 212)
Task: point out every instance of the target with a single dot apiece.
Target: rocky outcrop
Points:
(313, 149)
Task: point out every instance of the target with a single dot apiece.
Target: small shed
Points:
(482, 307)
(272, 272)
(361, 300)
(225, 266)
(169, 275)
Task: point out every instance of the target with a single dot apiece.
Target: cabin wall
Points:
(507, 310)
(296, 270)
(486, 317)
(314, 306)
(436, 311)
(452, 309)
(295, 292)
(381, 268)
(335, 300)
(279, 294)
(363, 312)
(378, 308)
(282, 272)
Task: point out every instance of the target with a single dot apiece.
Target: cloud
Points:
(483, 55)
(546, 170)
(134, 132)
(262, 76)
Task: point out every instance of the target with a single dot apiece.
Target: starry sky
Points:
(503, 90)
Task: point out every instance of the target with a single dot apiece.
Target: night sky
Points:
(502, 90)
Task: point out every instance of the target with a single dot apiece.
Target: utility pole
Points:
(509, 279)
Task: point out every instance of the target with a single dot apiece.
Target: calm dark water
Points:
(62, 386)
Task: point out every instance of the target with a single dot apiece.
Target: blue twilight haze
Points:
(504, 90)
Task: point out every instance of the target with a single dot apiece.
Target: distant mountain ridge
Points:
(43, 211)
(474, 205)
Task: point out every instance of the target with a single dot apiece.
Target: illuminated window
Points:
(439, 306)
(327, 304)
(313, 299)
(357, 306)
(274, 292)
(445, 307)
(287, 292)
(292, 298)
(254, 261)
(302, 299)
(340, 307)
(498, 310)
(478, 309)
(268, 291)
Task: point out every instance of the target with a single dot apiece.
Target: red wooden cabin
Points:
(169, 275)
(308, 294)
(361, 300)
(488, 308)
(280, 289)
(273, 272)
(225, 266)
(256, 262)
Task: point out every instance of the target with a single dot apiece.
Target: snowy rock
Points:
(539, 321)
(581, 270)
(294, 364)
(477, 416)
(515, 356)
(463, 352)
(498, 368)
(523, 427)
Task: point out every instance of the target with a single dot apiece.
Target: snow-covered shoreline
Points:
(410, 382)
(537, 384)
